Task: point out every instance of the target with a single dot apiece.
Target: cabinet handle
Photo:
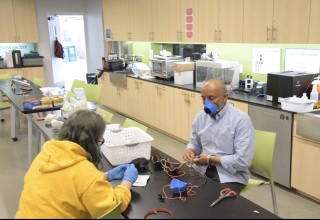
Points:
(268, 30)
(150, 36)
(163, 88)
(274, 30)
(219, 35)
(231, 103)
(193, 95)
(215, 34)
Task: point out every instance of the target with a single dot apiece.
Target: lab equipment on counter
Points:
(183, 73)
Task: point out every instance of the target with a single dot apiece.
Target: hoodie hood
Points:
(57, 155)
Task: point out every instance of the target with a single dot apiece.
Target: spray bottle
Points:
(314, 94)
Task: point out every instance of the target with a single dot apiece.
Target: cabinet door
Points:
(257, 21)
(171, 16)
(314, 30)
(158, 20)
(111, 93)
(137, 99)
(305, 175)
(30, 73)
(189, 20)
(230, 21)
(208, 20)
(108, 19)
(240, 105)
(161, 102)
(291, 21)
(187, 105)
(7, 25)
(119, 10)
(25, 20)
(140, 20)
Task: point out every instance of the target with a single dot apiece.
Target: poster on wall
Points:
(266, 60)
(302, 60)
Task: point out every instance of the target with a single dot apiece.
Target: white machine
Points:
(227, 70)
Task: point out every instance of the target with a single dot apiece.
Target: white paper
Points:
(141, 180)
(266, 60)
(304, 60)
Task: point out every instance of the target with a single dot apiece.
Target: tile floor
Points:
(14, 164)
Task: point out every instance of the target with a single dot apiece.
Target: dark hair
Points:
(85, 127)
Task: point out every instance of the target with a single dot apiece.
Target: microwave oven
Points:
(163, 68)
(226, 70)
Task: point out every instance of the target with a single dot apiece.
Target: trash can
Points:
(92, 78)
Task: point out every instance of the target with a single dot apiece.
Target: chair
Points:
(114, 213)
(93, 92)
(131, 123)
(262, 160)
(38, 81)
(77, 83)
(3, 104)
(107, 116)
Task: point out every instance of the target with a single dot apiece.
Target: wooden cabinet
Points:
(138, 100)
(158, 20)
(161, 105)
(257, 21)
(305, 175)
(276, 21)
(28, 73)
(116, 18)
(140, 22)
(18, 21)
(314, 30)
(115, 96)
(104, 82)
(189, 20)
(187, 105)
(240, 105)
(221, 21)
(208, 20)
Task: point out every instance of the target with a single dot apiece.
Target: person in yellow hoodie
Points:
(65, 179)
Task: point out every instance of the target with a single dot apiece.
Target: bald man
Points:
(222, 140)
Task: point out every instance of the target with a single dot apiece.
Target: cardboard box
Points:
(32, 104)
(183, 66)
(183, 78)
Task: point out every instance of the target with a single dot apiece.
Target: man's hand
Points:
(189, 155)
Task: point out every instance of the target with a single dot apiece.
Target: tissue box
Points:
(183, 73)
(46, 102)
(183, 78)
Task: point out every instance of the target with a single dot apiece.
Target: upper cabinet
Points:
(220, 21)
(208, 20)
(314, 30)
(276, 21)
(230, 21)
(18, 19)
(116, 19)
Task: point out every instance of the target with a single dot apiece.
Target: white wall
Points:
(92, 11)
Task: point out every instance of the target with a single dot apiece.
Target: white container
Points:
(126, 145)
(298, 105)
(183, 78)
(141, 69)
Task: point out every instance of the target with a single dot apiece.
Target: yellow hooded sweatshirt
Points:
(63, 183)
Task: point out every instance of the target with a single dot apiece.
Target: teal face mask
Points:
(178, 186)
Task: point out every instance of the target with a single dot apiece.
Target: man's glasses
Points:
(101, 142)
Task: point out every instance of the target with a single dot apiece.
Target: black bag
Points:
(115, 64)
(58, 49)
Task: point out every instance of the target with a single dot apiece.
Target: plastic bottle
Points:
(304, 96)
(314, 94)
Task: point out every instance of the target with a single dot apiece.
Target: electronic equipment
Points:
(287, 84)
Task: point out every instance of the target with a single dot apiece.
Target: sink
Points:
(308, 125)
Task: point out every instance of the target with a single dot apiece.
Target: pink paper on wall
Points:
(189, 19)
(189, 11)
(189, 34)
(189, 27)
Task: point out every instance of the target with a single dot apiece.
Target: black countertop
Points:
(235, 95)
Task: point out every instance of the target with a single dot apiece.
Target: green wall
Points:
(239, 52)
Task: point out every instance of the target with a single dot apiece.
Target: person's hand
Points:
(131, 173)
(117, 173)
(189, 155)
